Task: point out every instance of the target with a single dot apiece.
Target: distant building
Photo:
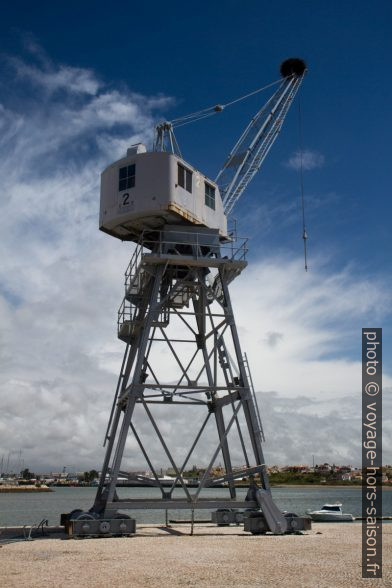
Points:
(323, 468)
(274, 469)
(298, 469)
(345, 477)
(344, 469)
(356, 476)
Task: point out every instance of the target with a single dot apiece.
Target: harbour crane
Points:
(178, 276)
(249, 152)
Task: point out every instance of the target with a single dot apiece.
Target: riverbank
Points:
(25, 488)
(327, 556)
(359, 486)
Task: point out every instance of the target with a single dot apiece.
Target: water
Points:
(29, 508)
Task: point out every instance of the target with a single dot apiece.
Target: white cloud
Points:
(61, 284)
(60, 279)
(70, 79)
(309, 159)
(318, 317)
(298, 428)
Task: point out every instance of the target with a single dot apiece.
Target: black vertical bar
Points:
(372, 453)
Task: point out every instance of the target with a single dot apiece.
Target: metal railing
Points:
(128, 323)
(203, 245)
(185, 244)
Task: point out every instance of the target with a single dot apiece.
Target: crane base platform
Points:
(88, 525)
(256, 523)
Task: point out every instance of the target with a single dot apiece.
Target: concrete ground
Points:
(327, 556)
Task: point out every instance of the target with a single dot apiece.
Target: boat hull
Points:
(331, 518)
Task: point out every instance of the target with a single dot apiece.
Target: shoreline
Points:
(316, 486)
(16, 489)
(20, 489)
(359, 486)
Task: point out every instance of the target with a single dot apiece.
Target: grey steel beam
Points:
(152, 469)
(215, 455)
(136, 378)
(249, 410)
(235, 475)
(227, 399)
(173, 504)
(220, 423)
(191, 450)
(174, 402)
(169, 455)
(173, 259)
(119, 384)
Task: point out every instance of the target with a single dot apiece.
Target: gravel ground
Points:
(327, 556)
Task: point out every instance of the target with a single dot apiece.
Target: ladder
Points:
(252, 389)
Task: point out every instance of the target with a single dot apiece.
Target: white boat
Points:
(167, 481)
(330, 513)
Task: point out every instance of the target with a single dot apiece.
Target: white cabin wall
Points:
(156, 195)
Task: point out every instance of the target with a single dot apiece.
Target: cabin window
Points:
(210, 195)
(184, 178)
(126, 177)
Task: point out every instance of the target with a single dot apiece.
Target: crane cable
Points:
(301, 173)
(211, 110)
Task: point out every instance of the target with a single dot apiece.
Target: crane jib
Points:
(251, 149)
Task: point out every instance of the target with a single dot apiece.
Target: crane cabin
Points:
(145, 191)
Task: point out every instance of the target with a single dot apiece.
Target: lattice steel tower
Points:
(182, 344)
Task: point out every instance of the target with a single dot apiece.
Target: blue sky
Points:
(207, 53)
(81, 81)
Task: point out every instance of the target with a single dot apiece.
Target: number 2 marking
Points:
(125, 198)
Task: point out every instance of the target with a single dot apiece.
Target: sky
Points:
(79, 83)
